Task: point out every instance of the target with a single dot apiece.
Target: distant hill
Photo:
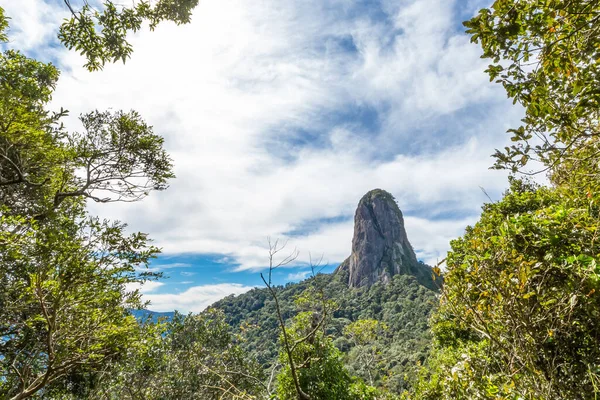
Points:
(142, 315)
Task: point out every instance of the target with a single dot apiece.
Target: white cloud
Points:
(33, 23)
(146, 287)
(298, 276)
(236, 92)
(194, 299)
(172, 265)
(434, 236)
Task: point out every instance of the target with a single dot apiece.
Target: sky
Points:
(279, 115)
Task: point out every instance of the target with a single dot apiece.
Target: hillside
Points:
(403, 305)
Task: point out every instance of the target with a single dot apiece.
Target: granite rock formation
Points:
(380, 247)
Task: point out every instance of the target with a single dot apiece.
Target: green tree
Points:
(116, 157)
(519, 311)
(64, 301)
(365, 333)
(312, 367)
(320, 369)
(30, 140)
(521, 300)
(188, 357)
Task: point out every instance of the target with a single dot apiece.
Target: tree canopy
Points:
(66, 274)
(519, 311)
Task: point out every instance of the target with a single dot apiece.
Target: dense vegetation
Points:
(398, 344)
(63, 272)
(187, 357)
(518, 316)
(519, 313)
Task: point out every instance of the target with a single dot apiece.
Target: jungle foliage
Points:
(64, 273)
(518, 317)
(186, 357)
(381, 331)
(100, 34)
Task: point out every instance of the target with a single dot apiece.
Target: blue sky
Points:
(280, 115)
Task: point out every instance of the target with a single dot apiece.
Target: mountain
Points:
(381, 280)
(380, 246)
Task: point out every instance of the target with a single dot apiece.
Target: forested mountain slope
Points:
(383, 298)
(403, 305)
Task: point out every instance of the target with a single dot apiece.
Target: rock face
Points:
(380, 247)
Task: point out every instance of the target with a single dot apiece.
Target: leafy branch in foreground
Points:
(100, 34)
(117, 157)
(546, 54)
(519, 311)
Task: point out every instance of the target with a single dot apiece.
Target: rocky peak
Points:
(380, 247)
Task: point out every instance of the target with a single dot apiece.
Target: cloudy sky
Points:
(280, 115)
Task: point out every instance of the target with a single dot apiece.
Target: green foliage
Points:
(3, 27)
(520, 307)
(65, 274)
(404, 306)
(118, 155)
(63, 303)
(546, 55)
(519, 312)
(320, 368)
(365, 331)
(189, 357)
(101, 35)
(367, 351)
(126, 139)
(30, 145)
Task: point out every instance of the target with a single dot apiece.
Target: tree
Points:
(520, 306)
(312, 367)
(116, 158)
(519, 311)
(318, 364)
(30, 141)
(288, 345)
(63, 301)
(100, 35)
(64, 274)
(298, 344)
(364, 334)
(188, 357)
(205, 363)
(120, 157)
(545, 54)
